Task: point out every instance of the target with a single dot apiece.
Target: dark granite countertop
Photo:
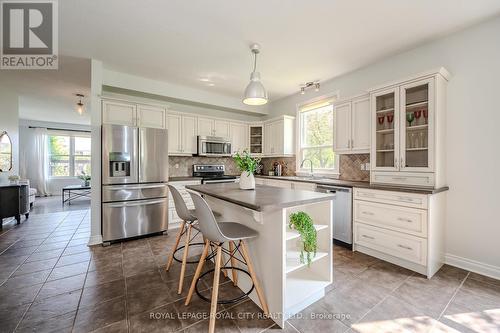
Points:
(360, 184)
(262, 198)
(183, 178)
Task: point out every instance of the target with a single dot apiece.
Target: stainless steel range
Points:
(212, 173)
(134, 177)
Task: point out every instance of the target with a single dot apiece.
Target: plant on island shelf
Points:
(86, 178)
(303, 223)
(247, 165)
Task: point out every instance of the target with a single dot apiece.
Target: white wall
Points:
(473, 133)
(95, 121)
(9, 121)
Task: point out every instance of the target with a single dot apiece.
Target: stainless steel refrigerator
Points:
(134, 181)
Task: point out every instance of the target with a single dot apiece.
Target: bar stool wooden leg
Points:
(215, 290)
(262, 300)
(198, 271)
(184, 257)
(234, 264)
(177, 240)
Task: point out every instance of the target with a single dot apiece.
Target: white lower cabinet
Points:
(173, 218)
(406, 229)
(285, 183)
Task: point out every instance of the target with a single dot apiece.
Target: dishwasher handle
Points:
(332, 189)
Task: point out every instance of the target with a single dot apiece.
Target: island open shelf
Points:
(289, 286)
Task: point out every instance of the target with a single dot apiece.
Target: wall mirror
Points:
(5, 152)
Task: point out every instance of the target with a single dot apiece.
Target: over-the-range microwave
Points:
(213, 146)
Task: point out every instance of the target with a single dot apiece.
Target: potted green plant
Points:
(247, 165)
(303, 223)
(86, 178)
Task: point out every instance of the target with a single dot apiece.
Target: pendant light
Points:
(255, 93)
(79, 105)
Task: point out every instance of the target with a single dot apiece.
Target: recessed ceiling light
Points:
(204, 79)
(211, 84)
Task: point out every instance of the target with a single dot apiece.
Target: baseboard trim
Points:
(473, 266)
(95, 240)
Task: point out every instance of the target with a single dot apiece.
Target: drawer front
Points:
(409, 220)
(399, 245)
(413, 200)
(112, 193)
(403, 178)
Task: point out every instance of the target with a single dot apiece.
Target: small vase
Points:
(247, 181)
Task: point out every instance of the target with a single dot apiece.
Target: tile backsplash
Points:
(182, 166)
(350, 165)
(288, 164)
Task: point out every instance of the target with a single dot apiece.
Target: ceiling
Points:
(190, 42)
(49, 95)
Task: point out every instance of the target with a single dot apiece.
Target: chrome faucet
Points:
(310, 162)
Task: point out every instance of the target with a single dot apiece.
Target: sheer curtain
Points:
(35, 159)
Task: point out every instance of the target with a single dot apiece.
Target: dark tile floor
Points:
(50, 281)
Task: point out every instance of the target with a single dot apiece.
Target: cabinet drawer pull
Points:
(406, 199)
(368, 213)
(369, 237)
(370, 195)
(399, 178)
(404, 247)
(404, 220)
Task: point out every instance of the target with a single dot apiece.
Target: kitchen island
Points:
(289, 286)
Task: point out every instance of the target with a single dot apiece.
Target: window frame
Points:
(71, 156)
(332, 173)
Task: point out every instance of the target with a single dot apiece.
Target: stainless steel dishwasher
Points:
(342, 213)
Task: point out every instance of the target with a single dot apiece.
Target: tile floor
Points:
(50, 281)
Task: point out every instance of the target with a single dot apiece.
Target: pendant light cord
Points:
(255, 62)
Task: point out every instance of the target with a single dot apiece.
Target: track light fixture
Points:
(307, 85)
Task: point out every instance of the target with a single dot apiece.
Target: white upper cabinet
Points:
(174, 123)
(342, 133)
(352, 126)
(360, 125)
(182, 133)
(238, 133)
(119, 113)
(279, 138)
(130, 114)
(151, 116)
(221, 128)
(206, 126)
(189, 132)
(408, 132)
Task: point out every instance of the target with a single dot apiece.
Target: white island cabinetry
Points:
(289, 285)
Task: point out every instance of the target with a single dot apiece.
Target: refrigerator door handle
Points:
(140, 187)
(136, 203)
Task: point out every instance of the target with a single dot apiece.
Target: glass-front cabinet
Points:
(408, 125)
(386, 105)
(417, 108)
